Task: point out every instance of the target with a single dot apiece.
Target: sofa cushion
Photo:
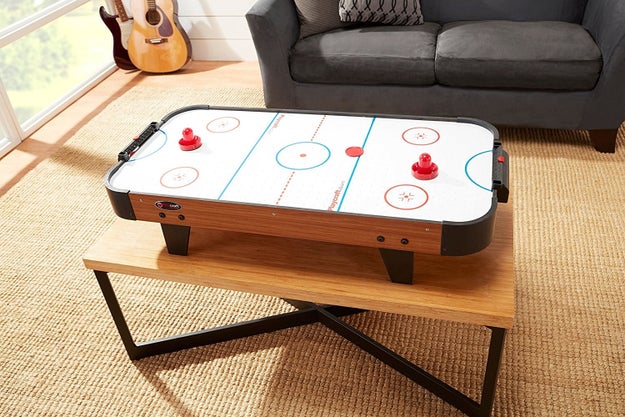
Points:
(506, 54)
(317, 16)
(407, 12)
(367, 55)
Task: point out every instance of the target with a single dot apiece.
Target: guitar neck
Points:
(121, 10)
(151, 4)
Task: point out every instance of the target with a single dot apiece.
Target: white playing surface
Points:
(300, 161)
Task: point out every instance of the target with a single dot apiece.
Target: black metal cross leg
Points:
(308, 313)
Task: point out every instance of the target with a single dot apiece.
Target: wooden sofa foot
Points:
(604, 140)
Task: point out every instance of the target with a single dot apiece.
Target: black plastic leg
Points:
(399, 265)
(176, 238)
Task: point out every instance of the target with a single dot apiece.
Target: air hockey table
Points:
(403, 185)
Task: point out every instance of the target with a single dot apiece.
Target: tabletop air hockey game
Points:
(400, 184)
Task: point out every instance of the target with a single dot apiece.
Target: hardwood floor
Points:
(45, 141)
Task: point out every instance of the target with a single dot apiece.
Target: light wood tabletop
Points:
(474, 289)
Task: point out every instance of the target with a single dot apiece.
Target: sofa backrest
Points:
(443, 11)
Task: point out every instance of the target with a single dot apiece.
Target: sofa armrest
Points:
(275, 27)
(605, 21)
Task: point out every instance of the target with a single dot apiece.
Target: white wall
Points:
(217, 29)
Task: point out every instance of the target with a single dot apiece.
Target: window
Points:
(51, 52)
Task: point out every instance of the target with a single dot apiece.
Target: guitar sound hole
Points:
(153, 17)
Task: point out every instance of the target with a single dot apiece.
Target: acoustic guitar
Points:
(157, 42)
(120, 26)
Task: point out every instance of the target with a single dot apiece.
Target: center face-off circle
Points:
(179, 177)
(406, 197)
(303, 155)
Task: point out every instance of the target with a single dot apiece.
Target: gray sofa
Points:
(556, 64)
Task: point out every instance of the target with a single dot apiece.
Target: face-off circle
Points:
(223, 124)
(303, 155)
(179, 177)
(421, 136)
(406, 197)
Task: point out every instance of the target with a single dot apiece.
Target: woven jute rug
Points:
(61, 355)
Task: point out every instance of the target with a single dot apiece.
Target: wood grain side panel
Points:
(349, 229)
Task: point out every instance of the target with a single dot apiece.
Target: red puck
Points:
(354, 151)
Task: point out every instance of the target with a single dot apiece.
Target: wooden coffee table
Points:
(325, 281)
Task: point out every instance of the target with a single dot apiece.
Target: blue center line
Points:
(338, 209)
(248, 155)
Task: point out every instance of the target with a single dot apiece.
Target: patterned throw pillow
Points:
(392, 12)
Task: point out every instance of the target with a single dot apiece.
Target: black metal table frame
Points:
(330, 316)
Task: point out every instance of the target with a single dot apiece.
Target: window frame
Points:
(12, 131)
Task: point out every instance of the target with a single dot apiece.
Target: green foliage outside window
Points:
(37, 59)
(44, 65)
